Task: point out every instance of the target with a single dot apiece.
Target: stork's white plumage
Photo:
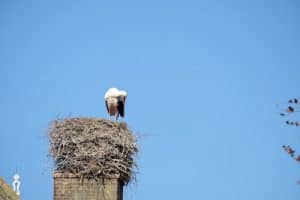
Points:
(115, 102)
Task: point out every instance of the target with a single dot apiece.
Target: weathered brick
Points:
(70, 187)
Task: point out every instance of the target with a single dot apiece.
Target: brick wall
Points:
(70, 187)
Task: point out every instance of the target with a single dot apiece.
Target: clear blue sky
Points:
(203, 78)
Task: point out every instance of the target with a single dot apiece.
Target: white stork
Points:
(115, 102)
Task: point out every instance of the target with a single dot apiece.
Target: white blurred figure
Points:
(16, 184)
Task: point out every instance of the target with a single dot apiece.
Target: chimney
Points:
(71, 187)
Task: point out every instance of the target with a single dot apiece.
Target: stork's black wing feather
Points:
(106, 106)
(121, 108)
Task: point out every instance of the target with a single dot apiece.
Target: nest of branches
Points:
(93, 148)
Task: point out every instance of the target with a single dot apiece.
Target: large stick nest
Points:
(93, 148)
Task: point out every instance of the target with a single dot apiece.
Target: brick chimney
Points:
(71, 187)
